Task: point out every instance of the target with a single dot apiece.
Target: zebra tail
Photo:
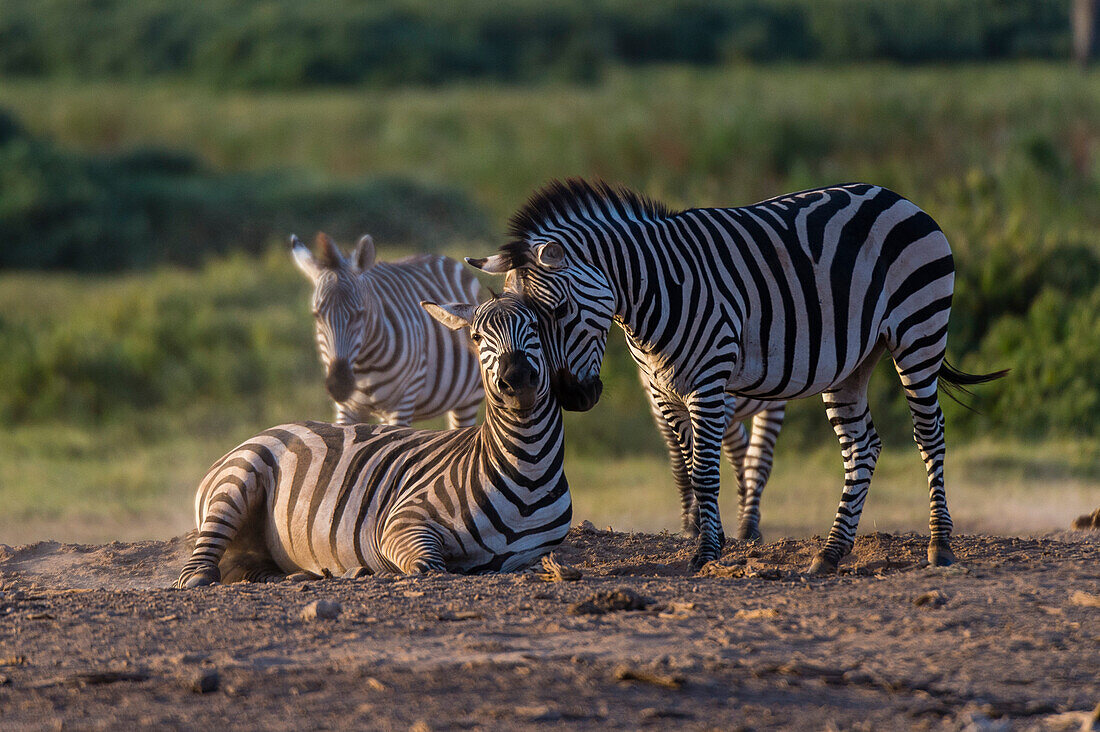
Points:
(954, 380)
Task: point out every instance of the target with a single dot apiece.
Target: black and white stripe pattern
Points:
(384, 358)
(325, 498)
(750, 452)
(794, 296)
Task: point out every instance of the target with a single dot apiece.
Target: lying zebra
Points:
(325, 498)
(384, 358)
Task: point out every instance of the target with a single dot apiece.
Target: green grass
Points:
(137, 481)
(698, 137)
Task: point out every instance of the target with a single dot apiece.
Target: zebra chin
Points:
(523, 400)
(573, 394)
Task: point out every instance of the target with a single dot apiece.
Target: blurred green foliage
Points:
(1004, 157)
(288, 43)
(65, 210)
(95, 348)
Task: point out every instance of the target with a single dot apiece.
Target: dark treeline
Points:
(289, 43)
(61, 209)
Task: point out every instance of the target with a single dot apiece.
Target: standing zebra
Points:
(384, 358)
(320, 498)
(794, 296)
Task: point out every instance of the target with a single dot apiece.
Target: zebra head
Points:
(339, 306)
(575, 306)
(505, 333)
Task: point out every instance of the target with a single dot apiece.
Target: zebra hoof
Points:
(940, 554)
(822, 565)
(702, 558)
(198, 578)
(749, 533)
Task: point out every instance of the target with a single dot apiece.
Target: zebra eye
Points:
(561, 310)
(475, 337)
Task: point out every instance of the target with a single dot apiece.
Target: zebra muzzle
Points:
(518, 380)
(340, 381)
(573, 394)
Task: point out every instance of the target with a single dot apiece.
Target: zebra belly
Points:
(763, 376)
(319, 516)
(294, 551)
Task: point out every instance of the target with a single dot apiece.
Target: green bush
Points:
(286, 43)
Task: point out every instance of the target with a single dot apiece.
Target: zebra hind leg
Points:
(860, 446)
(248, 559)
(928, 431)
(228, 506)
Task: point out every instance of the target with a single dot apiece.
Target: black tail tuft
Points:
(954, 380)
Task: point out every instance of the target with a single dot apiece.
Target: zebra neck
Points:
(625, 253)
(378, 333)
(524, 440)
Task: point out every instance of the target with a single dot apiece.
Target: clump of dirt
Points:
(609, 602)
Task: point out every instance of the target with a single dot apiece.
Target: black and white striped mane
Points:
(576, 198)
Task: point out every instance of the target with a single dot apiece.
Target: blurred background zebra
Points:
(384, 358)
(325, 498)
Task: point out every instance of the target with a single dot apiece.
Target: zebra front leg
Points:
(757, 468)
(464, 416)
(224, 509)
(413, 546)
(708, 425)
(402, 414)
(860, 446)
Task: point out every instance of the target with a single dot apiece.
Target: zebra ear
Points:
(496, 264)
(363, 259)
(328, 254)
(550, 255)
(303, 258)
(453, 315)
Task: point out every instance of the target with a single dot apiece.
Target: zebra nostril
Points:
(532, 378)
(504, 387)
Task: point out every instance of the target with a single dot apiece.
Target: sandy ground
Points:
(91, 637)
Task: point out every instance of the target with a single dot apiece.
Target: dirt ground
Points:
(91, 637)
